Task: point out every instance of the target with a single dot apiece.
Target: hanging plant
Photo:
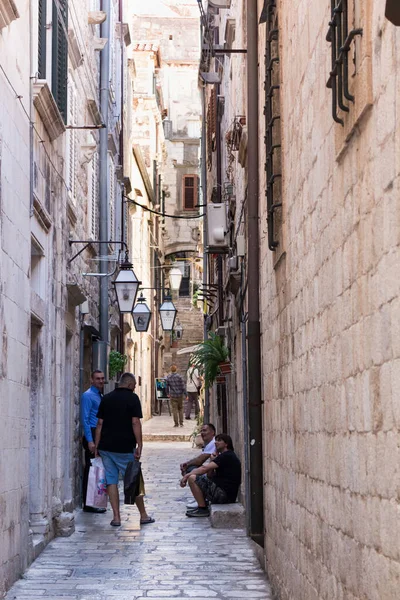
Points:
(208, 356)
(116, 363)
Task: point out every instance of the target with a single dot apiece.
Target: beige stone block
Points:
(380, 576)
(390, 528)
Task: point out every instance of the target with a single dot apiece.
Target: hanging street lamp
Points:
(178, 330)
(141, 315)
(126, 286)
(175, 278)
(167, 313)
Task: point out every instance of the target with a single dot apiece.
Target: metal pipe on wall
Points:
(103, 178)
(253, 251)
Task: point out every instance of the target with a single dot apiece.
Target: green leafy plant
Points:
(116, 363)
(208, 356)
(195, 298)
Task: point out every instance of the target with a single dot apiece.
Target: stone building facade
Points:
(166, 62)
(328, 216)
(50, 123)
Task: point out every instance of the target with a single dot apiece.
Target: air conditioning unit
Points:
(217, 228)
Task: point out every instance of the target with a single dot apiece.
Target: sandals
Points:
(147, 521)
(115, 523)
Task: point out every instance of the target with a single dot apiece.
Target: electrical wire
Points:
(32, 124)
(161, 214)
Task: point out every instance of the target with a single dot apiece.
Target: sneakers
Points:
(198, 512)
(192, 504)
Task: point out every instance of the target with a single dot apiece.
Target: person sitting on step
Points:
(223, 487)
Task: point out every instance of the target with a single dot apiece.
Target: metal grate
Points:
(340, 39)
(272, 120)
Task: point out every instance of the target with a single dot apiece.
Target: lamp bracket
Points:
(89, 242)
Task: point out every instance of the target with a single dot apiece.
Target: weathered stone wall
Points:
(330, 312)
(14, 310)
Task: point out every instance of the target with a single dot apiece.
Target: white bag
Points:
(96, 494)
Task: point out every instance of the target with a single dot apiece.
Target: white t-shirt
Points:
(210, 448)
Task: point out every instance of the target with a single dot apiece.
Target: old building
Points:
(63, 179)
(168, 126)
(313, 102)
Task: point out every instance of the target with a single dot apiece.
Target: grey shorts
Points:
(211, 492)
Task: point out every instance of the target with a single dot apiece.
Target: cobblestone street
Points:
(176, 557)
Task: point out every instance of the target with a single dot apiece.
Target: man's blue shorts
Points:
(115, 463)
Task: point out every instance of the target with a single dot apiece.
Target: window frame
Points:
(195, 188)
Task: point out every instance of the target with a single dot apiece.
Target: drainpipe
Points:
(103, 180)
(253, 251)
(245, 410)
(204, 203)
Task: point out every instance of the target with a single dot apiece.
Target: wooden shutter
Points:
(111, 223)
(42, 31)
(93, 196)
(60, 55)
(72, 140)
(190, 185)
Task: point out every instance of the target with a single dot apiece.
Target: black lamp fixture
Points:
(141, 315)
(167, 313)
(126, 286)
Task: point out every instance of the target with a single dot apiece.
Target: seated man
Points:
(207, 432)
(220, 489)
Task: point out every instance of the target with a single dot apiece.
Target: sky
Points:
(166, 8)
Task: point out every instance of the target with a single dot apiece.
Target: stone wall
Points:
(330, 312)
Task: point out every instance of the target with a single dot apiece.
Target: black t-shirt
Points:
(117, 409)
(229, 473)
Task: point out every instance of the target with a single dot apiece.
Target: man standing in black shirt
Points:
(119, 440)
(223, 487)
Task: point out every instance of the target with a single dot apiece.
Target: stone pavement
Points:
(176, 557)
(161, 428)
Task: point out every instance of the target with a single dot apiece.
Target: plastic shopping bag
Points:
(97, 489)
(132, 480)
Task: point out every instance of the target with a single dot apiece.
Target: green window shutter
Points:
(42, 39)
(60, 56)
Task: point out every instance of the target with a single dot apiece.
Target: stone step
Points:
(170, 437)
(227, 516)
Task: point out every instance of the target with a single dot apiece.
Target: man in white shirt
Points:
(208, 434)
(209, 450)
(193, 386)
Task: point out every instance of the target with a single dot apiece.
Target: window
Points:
(272, 127)
(72, 142)
(42, 33)
(190, 187)
(93, 196)
(111, 220)
(60, 55)
(38, 268)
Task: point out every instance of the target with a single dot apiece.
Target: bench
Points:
(227, 516)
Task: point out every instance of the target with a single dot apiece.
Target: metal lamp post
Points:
(141, 315)
(126, 286)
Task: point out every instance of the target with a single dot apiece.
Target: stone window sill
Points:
(47, 108)
(8, 12)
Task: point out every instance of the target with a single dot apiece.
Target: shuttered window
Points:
(190, 186)
(111, 220)
(93, 196)
(42, 39)
(72, 141)
(60, 55)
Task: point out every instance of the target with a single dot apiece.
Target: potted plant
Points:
(209, 356)
(116, 363)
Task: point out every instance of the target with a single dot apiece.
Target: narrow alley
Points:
(176, 557)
